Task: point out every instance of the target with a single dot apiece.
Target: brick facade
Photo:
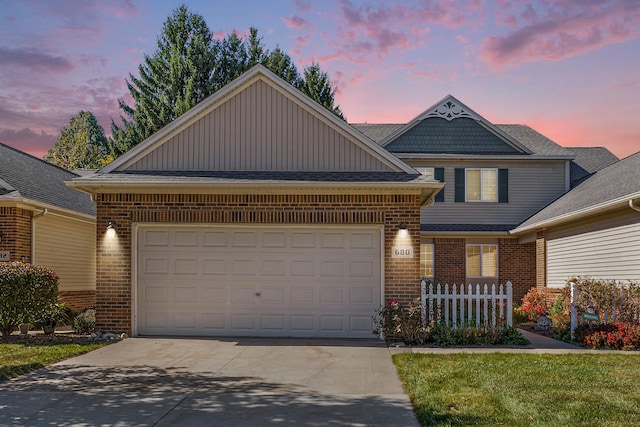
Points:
(449, 260)
(78, 301)
(114, 281)
(15, 226)
(517, 263)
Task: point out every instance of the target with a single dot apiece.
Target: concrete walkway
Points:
(209, 382)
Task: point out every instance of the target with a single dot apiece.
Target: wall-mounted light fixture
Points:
(403, 231)
(111, 230)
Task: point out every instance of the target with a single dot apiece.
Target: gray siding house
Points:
(593, 230)
(496, 177)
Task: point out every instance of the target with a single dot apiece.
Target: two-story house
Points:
(496, 177)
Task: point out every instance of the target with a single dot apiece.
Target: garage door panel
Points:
(259, 282)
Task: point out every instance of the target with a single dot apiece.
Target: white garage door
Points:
(257, 281)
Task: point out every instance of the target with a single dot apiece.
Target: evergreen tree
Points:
(190, 65)
(172, 80)
(316, 84)
(81, 144)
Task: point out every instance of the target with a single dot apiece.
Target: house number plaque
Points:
(5, 256)
(402, 252)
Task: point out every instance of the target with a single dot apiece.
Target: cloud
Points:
(34, 143)
(34, 60)
(296, 23)
(304, 6)
(560, 30)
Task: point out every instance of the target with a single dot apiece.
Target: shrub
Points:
(612, 336)
(26, 292)
(406, 324)
(85, 322)
(535, 303)
(604, 297)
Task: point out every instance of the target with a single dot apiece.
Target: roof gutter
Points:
(574, 215)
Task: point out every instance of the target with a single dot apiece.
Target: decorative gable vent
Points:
(449, 110)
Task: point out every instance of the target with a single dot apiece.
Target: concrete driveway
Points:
(214, 382)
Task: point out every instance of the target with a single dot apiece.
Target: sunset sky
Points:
(568, 68)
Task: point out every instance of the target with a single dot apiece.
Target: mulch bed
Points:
(40, 338)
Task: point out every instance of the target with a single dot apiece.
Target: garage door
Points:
(266, 281)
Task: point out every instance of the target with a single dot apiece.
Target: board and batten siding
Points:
(532, 185)
(68, 247)
(260, 129)
(605, 249)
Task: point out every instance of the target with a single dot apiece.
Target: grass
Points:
(522, 389)
(17, 358)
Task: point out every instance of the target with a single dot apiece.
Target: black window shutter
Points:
(503, 185)
(459, 185)
(438, 174)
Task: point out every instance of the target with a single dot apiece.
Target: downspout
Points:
(33, 232)
(633, 206)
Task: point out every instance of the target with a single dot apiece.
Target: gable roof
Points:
(587, 161)
(450, 127)
(27, 179)
(609, 188)
(251, 125)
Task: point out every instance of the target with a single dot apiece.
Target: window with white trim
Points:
(481, 185)
(428, 172)
(482, 260)
(426, 260)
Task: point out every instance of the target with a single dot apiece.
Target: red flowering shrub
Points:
(27, 292)
(612, 336)
(535, 303)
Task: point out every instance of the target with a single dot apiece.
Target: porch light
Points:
(111, 230)
(402, 230)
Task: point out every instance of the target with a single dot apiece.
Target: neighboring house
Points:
(257, 212)
(44, 222)
(496, 177)
(592, 231)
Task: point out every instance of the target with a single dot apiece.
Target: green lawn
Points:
(17, 358)
(523, 389)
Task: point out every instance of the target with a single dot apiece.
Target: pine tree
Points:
(190, 65)
(81, 144)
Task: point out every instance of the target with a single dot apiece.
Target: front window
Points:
(482, 185)
(482, 261)
(426, 260)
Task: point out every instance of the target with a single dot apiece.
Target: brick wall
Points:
(449, 260)
(78, 301)
(517, 263)
(113, 281)
(15, 225)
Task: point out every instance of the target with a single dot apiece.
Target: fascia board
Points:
(619, 202)
(257, 72)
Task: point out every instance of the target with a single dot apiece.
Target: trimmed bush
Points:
(85, 322)
(27, 292)
(612, 336)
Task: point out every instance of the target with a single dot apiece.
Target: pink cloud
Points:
(304, 6)
(34, 143)
(296, 23)
(34, 59)
(564, 30)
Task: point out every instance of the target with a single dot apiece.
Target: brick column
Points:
(541, 259)
(449, 261)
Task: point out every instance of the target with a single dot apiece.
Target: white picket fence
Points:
(460, 308)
